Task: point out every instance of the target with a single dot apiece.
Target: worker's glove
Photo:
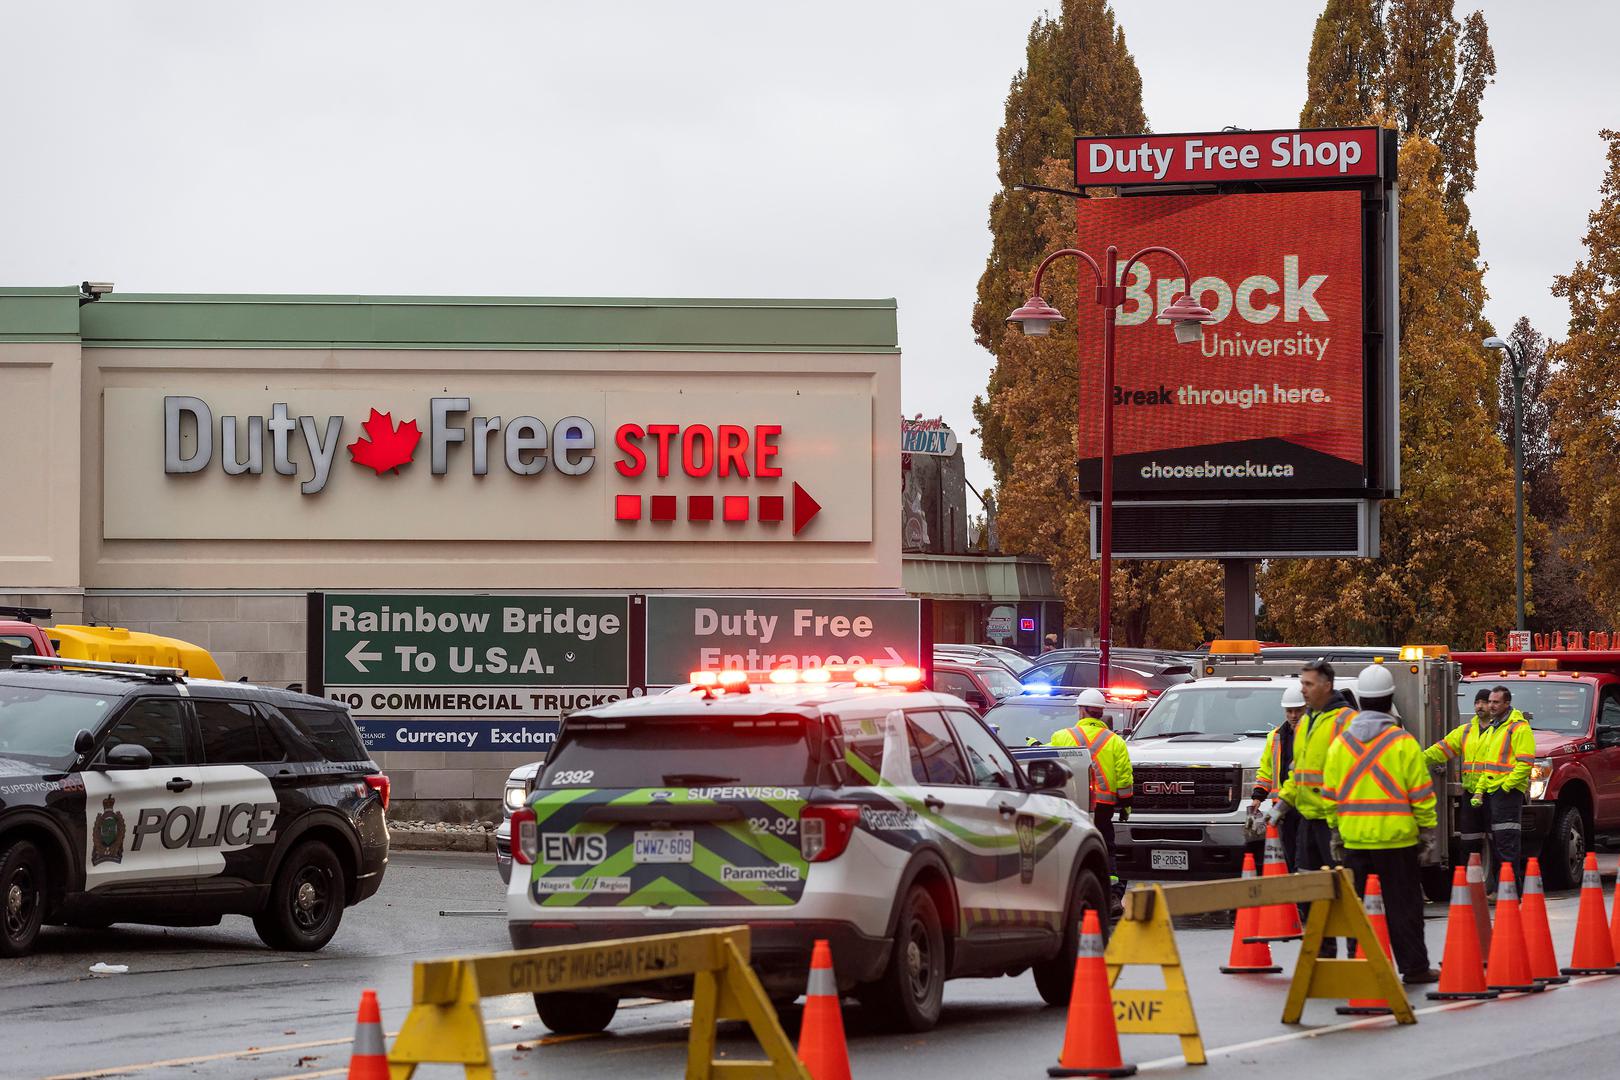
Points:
(1428, 845)
(1030, 740)
(1275, 814)
(1477, 801)
(1336, 848)
(1124, 811)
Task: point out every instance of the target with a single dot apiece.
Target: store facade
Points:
(469, 514)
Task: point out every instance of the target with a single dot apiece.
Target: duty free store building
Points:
(459, 512)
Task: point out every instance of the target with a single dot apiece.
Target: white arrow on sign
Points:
(355, 656)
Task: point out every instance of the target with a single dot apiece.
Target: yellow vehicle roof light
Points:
(1234, 647)
(1421, 652)
(1540, 663)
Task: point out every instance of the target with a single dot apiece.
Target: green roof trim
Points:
(464, 322)
(44, 314)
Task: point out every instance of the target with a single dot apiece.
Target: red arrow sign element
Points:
(804, 508)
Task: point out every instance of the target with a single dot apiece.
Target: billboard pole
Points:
(1036, 317)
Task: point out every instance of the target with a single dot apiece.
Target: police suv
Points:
(135, 794)
(846, 805)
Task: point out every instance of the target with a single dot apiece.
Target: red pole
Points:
(1106, 294)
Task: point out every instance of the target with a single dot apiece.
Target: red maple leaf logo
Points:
(389, 445)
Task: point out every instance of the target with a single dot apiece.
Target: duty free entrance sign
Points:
(483, 672)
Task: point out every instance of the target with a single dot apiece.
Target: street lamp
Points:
(1036, 317)
(1516, 358)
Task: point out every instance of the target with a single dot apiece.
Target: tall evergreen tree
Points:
(1446, 571)
(1585, 393)
(1078, 79)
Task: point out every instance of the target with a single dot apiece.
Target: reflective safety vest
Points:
(1111, 780)
(1271, 775)
(1463, 741)
(1312, 737)
(1378, 793)
(1506, 752)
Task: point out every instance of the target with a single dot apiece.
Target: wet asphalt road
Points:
(215, 1003)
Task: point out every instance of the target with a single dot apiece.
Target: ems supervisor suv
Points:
(133, 794)
(849, 805)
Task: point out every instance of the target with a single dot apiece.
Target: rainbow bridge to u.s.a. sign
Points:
(493, 672)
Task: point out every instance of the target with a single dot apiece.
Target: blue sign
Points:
(530, 736)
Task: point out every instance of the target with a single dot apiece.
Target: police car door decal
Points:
(138, 830)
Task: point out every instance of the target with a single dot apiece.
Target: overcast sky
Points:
(654, 149)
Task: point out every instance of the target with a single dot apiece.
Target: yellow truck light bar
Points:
(1234, 647)
(1422, 652)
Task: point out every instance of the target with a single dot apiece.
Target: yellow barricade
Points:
(1144, 936)
(446, 1026)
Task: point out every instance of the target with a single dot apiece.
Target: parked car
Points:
(981, 685)
(1012, 659)
(1018, 720)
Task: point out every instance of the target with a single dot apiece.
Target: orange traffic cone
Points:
(1462, 972)
(1476, 899)
(1509, 966)
(1278, 922)
(821, 1030)
(1537, 930)
(1091, 1041)
(369, 1061)
(1248, 957)
(1594, 949)
(1373, 904)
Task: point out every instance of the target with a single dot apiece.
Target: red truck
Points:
(1571, 697)
(20, 637)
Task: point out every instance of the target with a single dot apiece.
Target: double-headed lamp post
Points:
(1516, 359)
(1036, 317)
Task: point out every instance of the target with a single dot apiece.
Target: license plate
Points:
(664, 846)
(1167, 860)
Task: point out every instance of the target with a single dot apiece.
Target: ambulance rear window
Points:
(682, 752)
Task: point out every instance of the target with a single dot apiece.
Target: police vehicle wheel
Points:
(1563, 856)
(306, 900)
(1054, 978)
(575, 1013)
(22, 897)
(911, 990)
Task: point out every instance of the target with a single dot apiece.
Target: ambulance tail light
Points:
(525, 836)
(825, 829)
(378, 782)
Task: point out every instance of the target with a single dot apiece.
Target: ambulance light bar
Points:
(715, 683)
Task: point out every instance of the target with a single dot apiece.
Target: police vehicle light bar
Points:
(147, 671)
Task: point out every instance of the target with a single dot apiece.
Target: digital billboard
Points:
(1275, 398)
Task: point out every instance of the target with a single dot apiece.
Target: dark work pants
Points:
(1472, 828)
(1400, 878)
(1504, 810)
(1288, 831)
(1314, 850)
(1103, 815)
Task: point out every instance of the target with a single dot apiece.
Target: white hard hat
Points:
(1375, 681)
(1093, 699)
(1292, 697)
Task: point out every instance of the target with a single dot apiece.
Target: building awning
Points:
(1003, 578)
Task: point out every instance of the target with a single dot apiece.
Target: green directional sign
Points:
(427, 639)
